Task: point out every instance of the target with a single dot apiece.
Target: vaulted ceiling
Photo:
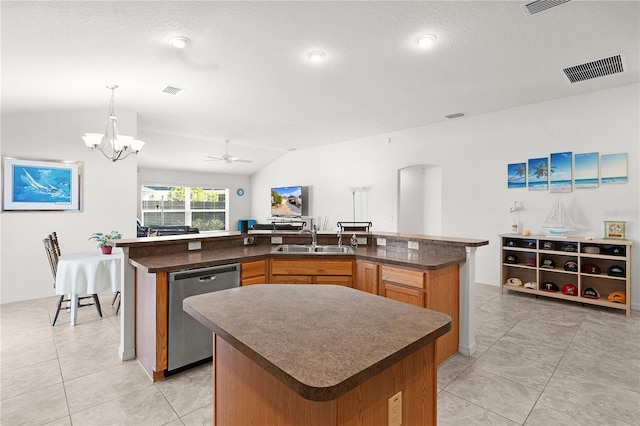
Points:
(247, 77)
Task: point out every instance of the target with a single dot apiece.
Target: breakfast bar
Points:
(326, 355)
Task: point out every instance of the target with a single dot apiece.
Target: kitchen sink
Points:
(308, 249)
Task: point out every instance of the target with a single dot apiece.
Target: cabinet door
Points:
(335, 279)
(402, 276)
(366, 277)
(291, 279)
(311, 267)
(403, 294)
(260, 279)
(253, 269)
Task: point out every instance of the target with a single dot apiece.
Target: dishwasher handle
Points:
(207, 278)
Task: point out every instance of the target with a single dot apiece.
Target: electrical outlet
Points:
(395, 410)
(381, 241)
(276, 240)
(195, 245)
(362, 240)
(413, 245)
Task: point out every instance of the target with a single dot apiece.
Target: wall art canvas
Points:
(586, 170)
(560, 172)
(613, 168)
(538, 175)
(40, 185)
(516, 175)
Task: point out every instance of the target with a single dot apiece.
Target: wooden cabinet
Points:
(433, 289)
(599, 267)
(404, 285)
(366, 276)
(316, 271)
(253, 272)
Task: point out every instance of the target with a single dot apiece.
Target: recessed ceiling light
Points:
(179, 42)
(426, 40)
(316, 55)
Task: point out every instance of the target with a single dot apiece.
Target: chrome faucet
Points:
(314, 235)
(339, 237)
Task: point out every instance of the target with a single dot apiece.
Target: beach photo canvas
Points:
(516, 175)
(538, 175)
(560, 172)
(586, 170)
(614, 168)
(40, 185)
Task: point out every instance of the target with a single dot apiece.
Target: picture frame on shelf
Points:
(40, 185)
(615, 229)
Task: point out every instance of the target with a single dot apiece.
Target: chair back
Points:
(52, 256)
(54, 240)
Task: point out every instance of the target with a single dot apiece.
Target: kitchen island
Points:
(326, 355)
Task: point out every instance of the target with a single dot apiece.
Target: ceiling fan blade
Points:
(227, 158)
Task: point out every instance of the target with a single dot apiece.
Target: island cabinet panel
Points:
(443, 295)
(253, 272)
(151, 322)
(366, 276)
(304, 271)
(246, 394)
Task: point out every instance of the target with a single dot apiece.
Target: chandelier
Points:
(111, 145)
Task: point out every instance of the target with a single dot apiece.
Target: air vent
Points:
(595, 69)
(542, 5)
(456, 115)
(172, 90)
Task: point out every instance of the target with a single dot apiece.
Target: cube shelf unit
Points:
(559, 250)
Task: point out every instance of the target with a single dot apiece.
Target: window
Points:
(202, 208)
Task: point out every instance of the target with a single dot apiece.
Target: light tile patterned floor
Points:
(539, 362)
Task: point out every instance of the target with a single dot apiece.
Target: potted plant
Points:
(104, 240)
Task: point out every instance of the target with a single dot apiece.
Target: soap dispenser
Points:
(354, 241)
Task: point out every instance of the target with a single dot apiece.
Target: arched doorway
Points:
(420, 199)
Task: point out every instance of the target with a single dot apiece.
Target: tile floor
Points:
(539, 362)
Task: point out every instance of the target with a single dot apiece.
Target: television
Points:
(288, 201)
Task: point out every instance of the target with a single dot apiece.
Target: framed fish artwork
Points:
(40, 185)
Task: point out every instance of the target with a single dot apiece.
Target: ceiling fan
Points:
(226, 157)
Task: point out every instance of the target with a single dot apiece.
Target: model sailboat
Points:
(558, 222)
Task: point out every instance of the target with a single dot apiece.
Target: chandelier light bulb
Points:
(425, 41)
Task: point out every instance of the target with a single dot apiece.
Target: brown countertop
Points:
(321, 341)
(172, 262)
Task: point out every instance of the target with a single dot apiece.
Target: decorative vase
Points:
(106, 249)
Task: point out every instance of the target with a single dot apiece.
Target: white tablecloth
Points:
(88, 272)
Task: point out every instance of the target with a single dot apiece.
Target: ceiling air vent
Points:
(542, 5)
(456, 115)
(595, 69)
(172, 90)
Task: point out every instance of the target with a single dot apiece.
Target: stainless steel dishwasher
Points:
(190, 342)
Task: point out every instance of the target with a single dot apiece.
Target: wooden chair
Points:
(52, 248)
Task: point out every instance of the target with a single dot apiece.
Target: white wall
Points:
(239, 206)
(108, 194)
(473, 153)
